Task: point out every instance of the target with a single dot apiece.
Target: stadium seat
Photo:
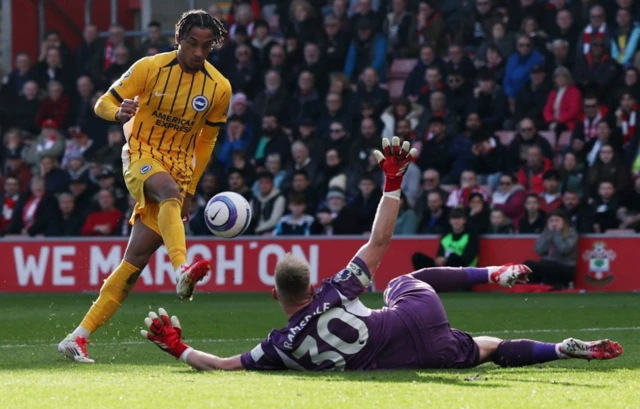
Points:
(506, 137)
(550, 136)
(564, 140)
(401, 68)
(395, 88)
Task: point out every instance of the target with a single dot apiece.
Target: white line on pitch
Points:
(222, 340)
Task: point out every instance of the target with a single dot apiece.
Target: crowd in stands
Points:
(518, 108)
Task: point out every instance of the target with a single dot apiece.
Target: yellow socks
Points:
(114, 290)
(172, 231)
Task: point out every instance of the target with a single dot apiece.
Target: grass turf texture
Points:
(132, 373)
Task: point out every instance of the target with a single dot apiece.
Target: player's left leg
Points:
(524, 352)
(444, 279)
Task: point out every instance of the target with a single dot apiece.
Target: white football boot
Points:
(75, 349)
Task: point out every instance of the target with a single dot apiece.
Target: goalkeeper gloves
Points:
(394, 163)
(166, 334)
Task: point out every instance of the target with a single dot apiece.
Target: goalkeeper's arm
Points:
(203, 361)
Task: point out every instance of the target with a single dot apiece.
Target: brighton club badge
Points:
(600, 259)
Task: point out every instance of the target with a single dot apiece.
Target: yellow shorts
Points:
(135, 174)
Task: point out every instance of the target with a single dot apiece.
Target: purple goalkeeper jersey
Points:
(336, 331)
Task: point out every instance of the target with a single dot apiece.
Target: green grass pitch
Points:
(132, 373)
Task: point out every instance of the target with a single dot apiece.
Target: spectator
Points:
(558, 248)
(337, 218)
(604, 136)
(48, 143)
(563, 105)
(430, 183)
(107, 181)
(527, 137)
(209, 187)
(435, 151)
(607, 168)
(629, 210)
(244, 75)
(78, 146)
(116, 39)
(56, 180)
(519, 66)
(111, 153)
(597, 69)
(626, 117)
(305, 102)
(401, 32)
(239, 161)
(369, 90)
(624, 40)
(10, 196)
(585, 130)
(401, 109)
(105, 221)
(367, 49)
(81, 114)
(431, 83)
(155, 39)
(23, 112)
(461, 148)
(32, 211)
(271, 139)
(297, 222)
(565, 29)
(306, 133)
(430, 27)
(301, 184)
(243, 17)
(632, 81)
(366, 203)
(334, 111)
(273, 98)
(302, 160)
(434, 218)
(303, 27)
(407, 222)
(90, 53)
(531, 99)
(236, 136)
(509, 197)
(123, 58)
(273, 165)
(519, 11)
(267, 207)
(534, 219)
(416, 80)
(16, 167)
(339, 8)
(571, 174)
(277, 63)
(437, 107)
(460, 94)
(538, 37)
(369, 139)
(68, 221)
(460, 196)
(489, 157)
(490, 102)
(501, 43)
(334, 172)
(237, 184)
(82, 190)
(530, 175)
(334, 43)
(262, 43)
(500, 223)
(459, 61)
(604, 209)
(576, 212)
(196, 225)
(561, 56)
(22, 74)
(55, 105)
(370, 166)
(596, 30)
(53, 69)
(478, 217)
(550, 198)
(458, 248)
(365, 11)
(339, 139)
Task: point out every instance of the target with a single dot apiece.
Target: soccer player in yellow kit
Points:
(173, 106)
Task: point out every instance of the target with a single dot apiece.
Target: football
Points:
(227, 214)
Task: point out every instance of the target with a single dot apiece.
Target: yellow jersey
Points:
(174, 107)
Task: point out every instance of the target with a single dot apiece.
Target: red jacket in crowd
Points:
(110, 219)
(570, 107)
(535, 185)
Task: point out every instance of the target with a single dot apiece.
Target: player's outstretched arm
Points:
(167, 335)
(394, 162)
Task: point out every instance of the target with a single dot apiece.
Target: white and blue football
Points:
(227, 214)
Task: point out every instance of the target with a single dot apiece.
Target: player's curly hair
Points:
(200, 19)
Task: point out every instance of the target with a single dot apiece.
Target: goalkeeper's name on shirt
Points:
(173, 122)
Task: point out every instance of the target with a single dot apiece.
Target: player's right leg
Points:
(524, 352)
(142, 244)
(444, 279)
(163, 189)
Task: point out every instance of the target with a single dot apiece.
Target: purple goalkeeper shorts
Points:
(437, 344)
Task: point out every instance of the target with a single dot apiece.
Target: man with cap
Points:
(368, 48)
(49, 143)
(82, 195)
(78, 146)
(532, 98)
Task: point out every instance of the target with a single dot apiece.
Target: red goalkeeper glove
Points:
(394, 163)
(165, 333)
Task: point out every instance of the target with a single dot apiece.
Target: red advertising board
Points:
(604, 264)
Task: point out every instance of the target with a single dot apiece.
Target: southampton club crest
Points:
(600, 259)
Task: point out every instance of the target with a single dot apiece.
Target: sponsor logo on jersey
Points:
(145, 169)
(600, 259)
(200, 103)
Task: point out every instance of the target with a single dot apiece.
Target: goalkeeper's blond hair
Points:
(292, 278)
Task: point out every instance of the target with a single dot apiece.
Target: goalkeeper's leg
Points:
(444, 279)
(142, 244)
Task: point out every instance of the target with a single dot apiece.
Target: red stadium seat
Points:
(401, 68)
(395, 88)
(506, 137)
(549, 136)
